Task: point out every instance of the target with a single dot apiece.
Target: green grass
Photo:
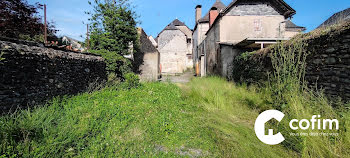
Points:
(152, 120)
(207, 117)
(230, 112)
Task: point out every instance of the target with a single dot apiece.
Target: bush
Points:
(131, 81)
(250, 68)
(115, 62)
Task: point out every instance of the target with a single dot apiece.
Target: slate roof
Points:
(146, 44)
(173, 26)
(337, 18)
(177, 22)
(291, 25)
(281, 6)
(219, 5)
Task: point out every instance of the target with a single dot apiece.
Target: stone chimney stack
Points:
(198, 12)
(213, 14)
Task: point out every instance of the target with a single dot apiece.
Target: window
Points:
(257, 25)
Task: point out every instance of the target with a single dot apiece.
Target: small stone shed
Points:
(148, 59)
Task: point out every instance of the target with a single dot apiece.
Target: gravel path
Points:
(182, 78)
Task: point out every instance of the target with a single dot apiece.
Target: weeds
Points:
(1, 58)
(288, 63)
(112, 122)
(291, 95)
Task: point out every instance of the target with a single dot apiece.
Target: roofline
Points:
(175, 26)
(292, 12)
(195, 26)
(234, 2)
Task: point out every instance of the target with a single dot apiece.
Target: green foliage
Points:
(288, 63)
(115, 62)
(113, 33)
(131, 80)
(230, 111)
(291, 95)
(22, 20)
(284, 71)
(35, 38)
(1, 58)
(152, 120)
(248, 69)
(113, 26)
(209, 117)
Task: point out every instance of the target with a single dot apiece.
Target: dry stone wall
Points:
(328, 67)
(31, 74)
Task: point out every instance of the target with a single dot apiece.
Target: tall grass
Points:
(230, 112)
(291, 95)
(288, 63)
(150, 120)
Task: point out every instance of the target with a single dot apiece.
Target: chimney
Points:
(213, 13)
(198, 12)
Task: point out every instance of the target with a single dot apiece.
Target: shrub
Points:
(115, 62)
(131, 81)
(249, 68)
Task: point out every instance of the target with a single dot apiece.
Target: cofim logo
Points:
(304, 124)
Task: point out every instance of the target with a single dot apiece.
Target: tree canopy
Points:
(21, 20)
(113, 33)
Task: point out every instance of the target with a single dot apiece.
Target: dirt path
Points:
(182, 78)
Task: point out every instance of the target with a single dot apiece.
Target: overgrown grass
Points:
(291, 95)
(207, 117)
(151, 120)
(231, 111)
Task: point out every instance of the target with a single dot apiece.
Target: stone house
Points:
(244, 25)
(200, 29)
(175, 46)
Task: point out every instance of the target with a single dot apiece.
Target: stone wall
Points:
(328, 64)
(328, 67)
(148, 57)
(173, 48)
(31, 74)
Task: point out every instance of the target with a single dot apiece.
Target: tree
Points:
(20, 20)
(113, 32)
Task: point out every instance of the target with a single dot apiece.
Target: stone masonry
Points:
(31, 74)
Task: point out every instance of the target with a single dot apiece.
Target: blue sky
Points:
(69, 15)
